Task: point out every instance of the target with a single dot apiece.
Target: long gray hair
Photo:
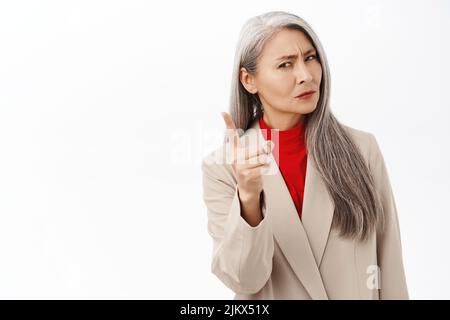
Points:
(358, 209)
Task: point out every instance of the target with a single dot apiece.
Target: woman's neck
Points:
(282, 122)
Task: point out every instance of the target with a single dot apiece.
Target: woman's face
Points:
(279, 79)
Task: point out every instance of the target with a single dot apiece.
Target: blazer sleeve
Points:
(242, 254)
(389, 247)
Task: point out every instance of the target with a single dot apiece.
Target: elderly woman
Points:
(302, 206)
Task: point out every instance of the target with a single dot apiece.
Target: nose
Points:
(302, 72)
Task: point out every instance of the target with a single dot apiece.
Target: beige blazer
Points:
(287, 258)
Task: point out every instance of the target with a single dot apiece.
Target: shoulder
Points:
(360, 137)
(217, 164)
(366, 142)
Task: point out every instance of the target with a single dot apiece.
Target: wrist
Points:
(248, 198)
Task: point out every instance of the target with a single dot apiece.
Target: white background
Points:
(99, 98)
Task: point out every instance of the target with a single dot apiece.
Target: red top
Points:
(292, 159)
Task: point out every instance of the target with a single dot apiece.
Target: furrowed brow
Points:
(291, 56)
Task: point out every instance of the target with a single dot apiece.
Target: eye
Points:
(281, 65)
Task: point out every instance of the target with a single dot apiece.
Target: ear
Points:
(248, 81)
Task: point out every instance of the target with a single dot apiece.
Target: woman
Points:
(302, 207)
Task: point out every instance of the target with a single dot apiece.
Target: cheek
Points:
(318, 74)
(278, 84)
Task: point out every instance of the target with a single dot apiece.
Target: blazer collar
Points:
(302, 241)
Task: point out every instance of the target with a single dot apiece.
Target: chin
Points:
(306, 108)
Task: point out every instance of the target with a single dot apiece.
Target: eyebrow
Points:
(290, 56)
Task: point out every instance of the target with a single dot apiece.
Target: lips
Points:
(305, 93)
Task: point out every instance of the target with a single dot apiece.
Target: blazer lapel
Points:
(302, 241)
(318, 209)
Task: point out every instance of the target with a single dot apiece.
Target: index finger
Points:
(231, 130)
